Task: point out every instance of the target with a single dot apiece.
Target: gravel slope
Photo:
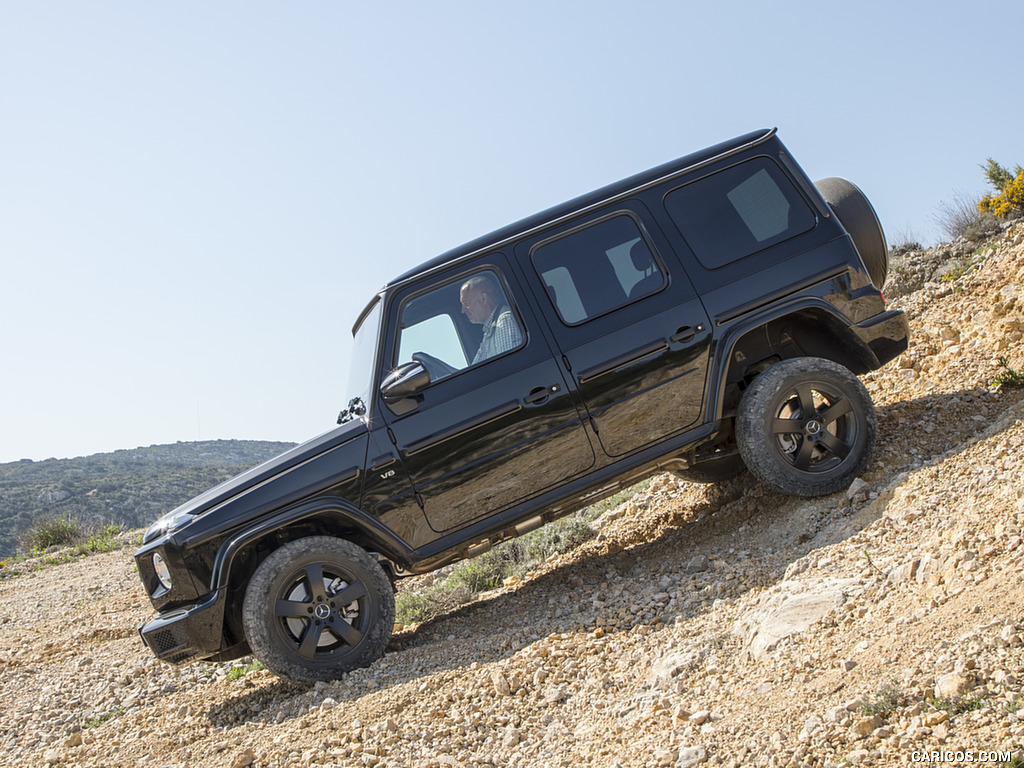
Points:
(722, 626)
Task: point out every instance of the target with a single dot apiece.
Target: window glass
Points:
(436, 334)
(597, 269)
(461, 323)
(364, 353)
(738, 211)
(563, 295)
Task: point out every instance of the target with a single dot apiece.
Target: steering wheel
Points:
(436, 367)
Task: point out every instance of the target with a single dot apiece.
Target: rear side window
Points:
(737, 212)
(598, 268)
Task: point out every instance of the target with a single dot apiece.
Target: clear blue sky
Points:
(197, 198)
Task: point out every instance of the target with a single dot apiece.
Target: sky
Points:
(198, 198)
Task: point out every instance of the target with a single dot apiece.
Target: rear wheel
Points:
(318, 607)
(806, 426)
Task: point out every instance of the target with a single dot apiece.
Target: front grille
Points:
(164, 641)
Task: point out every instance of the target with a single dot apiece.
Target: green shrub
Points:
(104, 539)
(1009, 200)
(998, 176)
(886, 701)
(98, 720)
(958, 216)
(1010, 377)
(982, 228)
(416, 606)
(66, 534)
(538, 546)
(902, 242)
(957, 705)
(514, 558)
(238, 671)
(487, 570)
(51, 532)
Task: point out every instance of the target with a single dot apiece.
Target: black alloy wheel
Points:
(318, 607)
(806, 426)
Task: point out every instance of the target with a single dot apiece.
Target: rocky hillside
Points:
(719, 626)
(127, 487)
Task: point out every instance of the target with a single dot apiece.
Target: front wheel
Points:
(806, 426)
(316, 608)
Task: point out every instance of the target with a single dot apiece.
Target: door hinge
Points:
(566, 363)
(593, 424)
(419, 499)
(391, 436)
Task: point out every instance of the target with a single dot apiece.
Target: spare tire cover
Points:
(858, 218)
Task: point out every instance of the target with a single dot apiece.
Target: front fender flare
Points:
(388, 543)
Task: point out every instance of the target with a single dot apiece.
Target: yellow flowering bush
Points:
(1010, 200)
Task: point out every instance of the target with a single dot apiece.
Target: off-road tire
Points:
(859, 219)
(317, 608)
(806, 426)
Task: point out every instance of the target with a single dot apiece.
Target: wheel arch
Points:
(242, 552)
(809, 329)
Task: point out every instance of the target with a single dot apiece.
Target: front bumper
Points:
(191, 632)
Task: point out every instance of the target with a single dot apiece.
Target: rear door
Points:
(628, 323)
(497, 425)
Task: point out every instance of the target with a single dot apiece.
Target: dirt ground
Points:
(704, 625)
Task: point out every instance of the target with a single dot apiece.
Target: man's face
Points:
(475, 304)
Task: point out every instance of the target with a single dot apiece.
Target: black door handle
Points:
(539, 394)
(686, 333)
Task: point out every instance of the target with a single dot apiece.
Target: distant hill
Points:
(129, 487)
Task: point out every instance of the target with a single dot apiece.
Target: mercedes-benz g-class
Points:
(703, 316)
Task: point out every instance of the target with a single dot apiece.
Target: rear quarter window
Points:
(737, 212)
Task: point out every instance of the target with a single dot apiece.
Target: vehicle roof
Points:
(600, 195)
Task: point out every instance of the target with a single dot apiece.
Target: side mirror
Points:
(406, 380)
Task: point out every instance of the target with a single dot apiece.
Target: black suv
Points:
(700, 317)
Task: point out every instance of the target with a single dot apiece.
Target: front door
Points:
(631, 327)
(497, 424)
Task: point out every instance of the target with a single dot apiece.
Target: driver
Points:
(483, 303)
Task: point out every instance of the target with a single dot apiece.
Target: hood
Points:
(257, 475)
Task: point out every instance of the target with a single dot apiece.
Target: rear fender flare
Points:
(723, 352)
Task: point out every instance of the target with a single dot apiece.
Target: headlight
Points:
(165, 525)
(163, 573)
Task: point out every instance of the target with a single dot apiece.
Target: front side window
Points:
(737, 212)
(599, 268)
(459, 324)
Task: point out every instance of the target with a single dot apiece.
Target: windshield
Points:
(364, 352)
